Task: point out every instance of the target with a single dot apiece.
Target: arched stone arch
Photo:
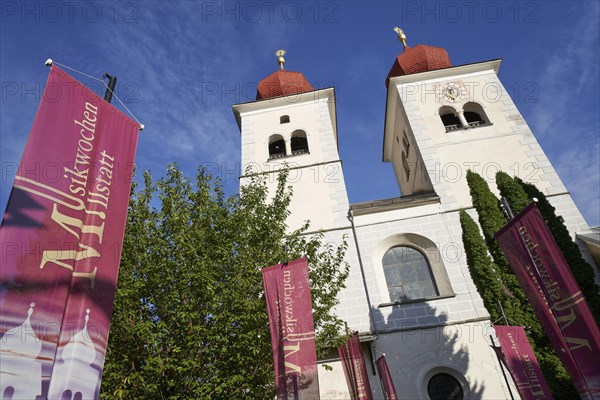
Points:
(8, 393)
(299, 142)
(276, 146)
(450, 119)
(474, 114)
(424, 246)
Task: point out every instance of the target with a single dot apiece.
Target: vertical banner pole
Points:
(502, 369)
(506, 208)
(515, 353)
(112, 83)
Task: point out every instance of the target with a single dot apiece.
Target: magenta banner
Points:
(555, 297)
(522, 363)
(61, 240)
(289, 305)
(355, 369)
(387, 383)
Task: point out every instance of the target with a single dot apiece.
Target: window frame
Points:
(276, 137)
(448, 370)
(299, 134)
(449, 110)
(454, 381)
(475, 108)
(431, 253)
(467, 107)
(399, 265)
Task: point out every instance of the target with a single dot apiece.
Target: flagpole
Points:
(502, 311)
(502, 369)
(112, 82)
(110, 87)
(509, 214)
(507, 209)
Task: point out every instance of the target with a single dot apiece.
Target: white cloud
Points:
(581, 168)
(570, 133)
(189, 73)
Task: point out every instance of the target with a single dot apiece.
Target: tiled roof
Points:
(420, 58)
(282, 83)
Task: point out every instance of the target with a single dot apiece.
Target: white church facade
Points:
(409, 293)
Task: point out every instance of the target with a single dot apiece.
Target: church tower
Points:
(442, 120)
(409, 293)
(291, 125)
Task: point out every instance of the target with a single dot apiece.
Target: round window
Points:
(444, 387)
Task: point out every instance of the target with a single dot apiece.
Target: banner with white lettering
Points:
(555, 297)
(385, 377)
(517, 354)
(355, 369)
(289, 305)
(61, 240)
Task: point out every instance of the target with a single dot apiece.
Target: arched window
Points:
(276, 146)
(8, 393)
(405, 143)
(299, 142)
(284, 119)
(444, 387)
(412, 268)
(408, 274)
(406, 167)
(474, 114)
(450, 118)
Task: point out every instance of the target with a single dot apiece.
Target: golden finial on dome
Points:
(280, 59)
(401, 36)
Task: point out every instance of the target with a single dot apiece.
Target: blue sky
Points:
(181, 65)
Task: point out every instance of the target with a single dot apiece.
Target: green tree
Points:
(516, 306)
(583, 272)
(485, 273)
(190, 319)
(491, 220)
(490, 215)
(512, 192)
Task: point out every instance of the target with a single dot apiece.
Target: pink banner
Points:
(387, 383)
(355, 369)
(522, 363)
(61, 240)
(289, 305)
(555, 297)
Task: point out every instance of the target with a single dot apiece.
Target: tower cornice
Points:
(447, 72)
(282, 102)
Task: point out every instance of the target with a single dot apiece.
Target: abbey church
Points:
(409, 293)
